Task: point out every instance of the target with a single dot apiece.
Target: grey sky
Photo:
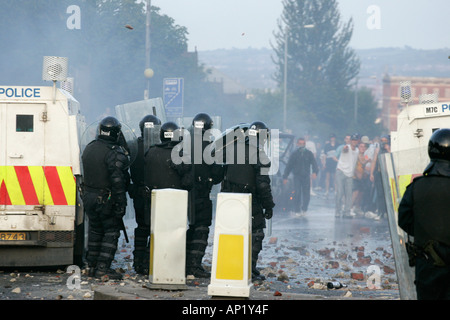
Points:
(216, 24)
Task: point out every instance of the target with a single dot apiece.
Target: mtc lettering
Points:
(431, 109)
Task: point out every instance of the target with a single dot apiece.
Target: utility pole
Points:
(285, 79)
(148, 72)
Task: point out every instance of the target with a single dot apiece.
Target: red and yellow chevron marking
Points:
(37, 185)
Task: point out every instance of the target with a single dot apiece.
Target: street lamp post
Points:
(355, 115)
(285, 79)
(147, 72)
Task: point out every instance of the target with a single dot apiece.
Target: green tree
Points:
(320, 64)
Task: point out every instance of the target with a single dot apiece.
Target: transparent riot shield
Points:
(150, 135)
(128, 139)
(224, 143)
(133, 112)
(272, 149)
(398, 169)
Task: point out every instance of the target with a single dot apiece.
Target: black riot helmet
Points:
(202, 121)
(168, 131)
(109, 129)
(260, 130)
(439, 145)
(149, 119)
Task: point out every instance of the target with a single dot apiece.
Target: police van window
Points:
(24, 123)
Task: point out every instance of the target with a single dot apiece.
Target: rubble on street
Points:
(299, 258)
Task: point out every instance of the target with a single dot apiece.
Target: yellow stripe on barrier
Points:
(230, 257)
(152, 241)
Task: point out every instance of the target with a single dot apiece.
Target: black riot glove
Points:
(268, 213)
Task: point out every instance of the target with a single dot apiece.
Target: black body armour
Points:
(431, 209)
(243, 173)
(96, 176)
(137, 167)
(162, 173)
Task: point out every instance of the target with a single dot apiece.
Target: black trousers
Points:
(302, 196)
(198, 232)
(432, 283)
(104, 230)
(141, 250)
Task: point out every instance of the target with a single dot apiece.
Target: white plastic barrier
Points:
(168, 239)
(231, 265)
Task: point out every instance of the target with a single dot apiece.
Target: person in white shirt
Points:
(344, 177)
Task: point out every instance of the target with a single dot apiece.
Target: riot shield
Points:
(223, 147)
(128, 139)
(398, 169)
(283, 194)
(150, 135)
(272, 148)
(133, 112)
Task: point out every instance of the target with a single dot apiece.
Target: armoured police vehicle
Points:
(408, 159)
(41, 216)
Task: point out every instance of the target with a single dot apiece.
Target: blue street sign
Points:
(173, 96)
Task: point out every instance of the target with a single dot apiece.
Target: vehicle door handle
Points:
(16, 156)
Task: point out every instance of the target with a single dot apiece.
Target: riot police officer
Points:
(149, 127)
(160, 170)
(106, 179)
(251, 176)
(424, 214)
(200, 205)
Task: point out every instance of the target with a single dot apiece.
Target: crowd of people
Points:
(350, 170)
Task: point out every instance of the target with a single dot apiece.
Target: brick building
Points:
(392, 103)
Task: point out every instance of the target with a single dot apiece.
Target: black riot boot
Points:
(91, 269)
(140, 254)
(141, 263)
(197, 241)
(194, 266)
(257, 238)
(94, 248)
(256, 275)
(103, 272)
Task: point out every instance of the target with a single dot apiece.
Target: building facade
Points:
(421, 88)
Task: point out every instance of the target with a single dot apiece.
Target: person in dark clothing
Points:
(200, 205)
(301, 163)
(251, 176)
(160, 170)
(424, 214)
(106, 179)
(149, 127)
